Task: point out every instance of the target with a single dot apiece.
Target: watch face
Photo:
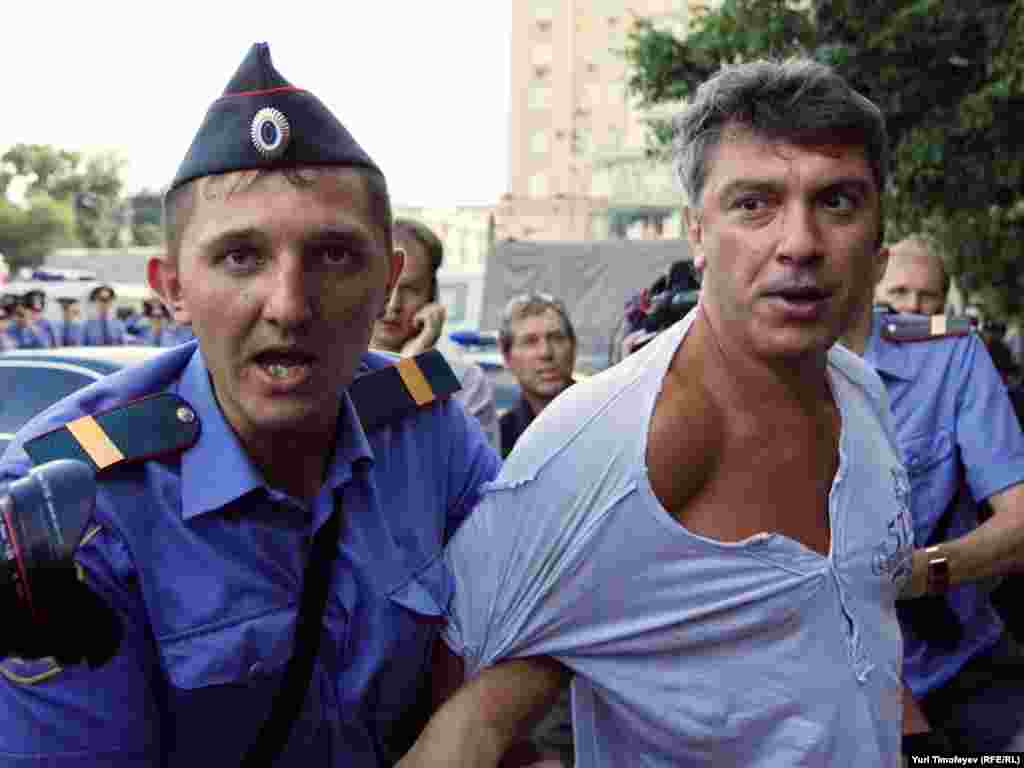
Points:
(938, 576)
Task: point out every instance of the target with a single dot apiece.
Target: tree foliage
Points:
(69, 197)
(949, 78)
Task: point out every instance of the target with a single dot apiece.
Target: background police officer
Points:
(103, 329)
(962, 445)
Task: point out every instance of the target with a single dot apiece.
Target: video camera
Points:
(47, 609)
(672, 297)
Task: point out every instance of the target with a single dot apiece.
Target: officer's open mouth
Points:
(282, 363)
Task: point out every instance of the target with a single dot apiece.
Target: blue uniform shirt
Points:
(204, 563)
(26, 337)
(167, 336)
(103, 332)
(69, 334)
(952, 415)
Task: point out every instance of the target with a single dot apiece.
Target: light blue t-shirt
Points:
(688, 651)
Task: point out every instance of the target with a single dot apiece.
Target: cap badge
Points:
(270, 132)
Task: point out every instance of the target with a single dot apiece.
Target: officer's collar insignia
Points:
(270, 132)
(158, 426)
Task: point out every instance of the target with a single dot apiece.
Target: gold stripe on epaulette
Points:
(415, 381)
(95, 442)
(90, 535)
(52, 671)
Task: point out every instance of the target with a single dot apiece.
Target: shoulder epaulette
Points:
(156, 426)
(902, 328)
(393, 392)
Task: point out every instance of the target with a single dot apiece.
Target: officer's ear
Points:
(162, 275)
(881, 264)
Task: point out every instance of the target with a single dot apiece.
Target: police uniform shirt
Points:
(46, 332)
(167, 336)
(26, 337)
(69, 334)
(950, 410)
(103, 332)
(204, 564)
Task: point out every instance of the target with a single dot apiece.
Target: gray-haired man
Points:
(711, 535)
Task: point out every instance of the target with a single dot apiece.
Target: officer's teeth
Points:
(278, 371)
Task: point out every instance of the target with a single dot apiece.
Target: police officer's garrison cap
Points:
(263, 121)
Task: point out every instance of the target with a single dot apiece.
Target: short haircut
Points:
(798, 100)
(526, 305)
(431, 243)
(179, 202)
(934, 249)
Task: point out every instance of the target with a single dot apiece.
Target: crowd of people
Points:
(767, 536)
(24, 325)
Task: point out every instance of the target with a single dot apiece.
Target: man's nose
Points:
(799, 240)
(289, 304)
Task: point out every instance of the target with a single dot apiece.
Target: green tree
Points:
(90, 184)
(29, 233)
(949, 78)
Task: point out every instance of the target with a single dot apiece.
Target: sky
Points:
(423, 87)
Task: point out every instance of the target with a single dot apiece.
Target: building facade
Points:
(577, 163)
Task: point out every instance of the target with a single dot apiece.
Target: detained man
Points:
(694, 535)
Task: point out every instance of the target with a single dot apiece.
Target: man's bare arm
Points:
(994, 548)
(478, 724)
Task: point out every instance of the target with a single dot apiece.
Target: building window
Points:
(539, 96)
(582, 144)
(544, 10)
(539, 142)
(601, 183)
(538, 185)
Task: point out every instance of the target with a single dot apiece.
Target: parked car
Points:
(31, 380)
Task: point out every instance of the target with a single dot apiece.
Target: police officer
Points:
(103, 329)
(35, 302)
(159, 332)
(23, 333)
(280, 257)
(6, 318)
(962, 445)
(69, 331)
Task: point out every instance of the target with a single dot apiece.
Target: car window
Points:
(29, 388)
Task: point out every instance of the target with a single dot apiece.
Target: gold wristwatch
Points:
(938, 572)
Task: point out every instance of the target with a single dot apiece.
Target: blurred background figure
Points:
(414, 318)
(159, 332)
(35, 303)
(654, 309)
(103, 329)
(538, 344)
(915, 280)
(6, 317)
(69, 330)
(22, 332)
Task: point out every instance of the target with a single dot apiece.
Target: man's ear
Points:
(162, 276)
(695, 235)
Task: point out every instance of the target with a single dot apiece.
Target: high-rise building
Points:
(577, 163)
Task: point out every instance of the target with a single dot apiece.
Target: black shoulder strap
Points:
(274, 733)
